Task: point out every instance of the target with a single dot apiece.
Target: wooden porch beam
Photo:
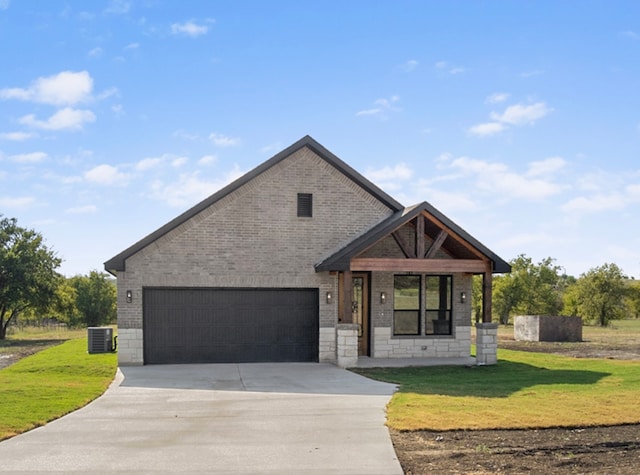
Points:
(436, 244)
(420, 244)
(347, 314)
(404, 247)
(419, 265)
(453, 235)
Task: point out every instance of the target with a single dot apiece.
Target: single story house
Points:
(303, 259)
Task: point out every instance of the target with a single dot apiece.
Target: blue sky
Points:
(520, 120)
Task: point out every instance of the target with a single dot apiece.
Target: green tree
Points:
(28, 277)
(530, 289)
(600, 294)
(633, 297)
(64, 305)
(95, 298)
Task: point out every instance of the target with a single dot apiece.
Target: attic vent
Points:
(305, 205)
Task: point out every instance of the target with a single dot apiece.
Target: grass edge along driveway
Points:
(50, 384)
(524, 390)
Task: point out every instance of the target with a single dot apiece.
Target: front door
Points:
(360, 310)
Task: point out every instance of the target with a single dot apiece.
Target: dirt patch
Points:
(12, 351)
(612, 450)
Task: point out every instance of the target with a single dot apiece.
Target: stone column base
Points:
(347, 345)
(486, 343)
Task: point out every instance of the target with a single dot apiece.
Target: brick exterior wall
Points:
(253, 238)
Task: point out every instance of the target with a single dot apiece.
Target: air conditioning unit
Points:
(100, 340)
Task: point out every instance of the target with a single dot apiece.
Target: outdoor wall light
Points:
(383, 297)
(129, 296)
(329, 297)
(463, 297)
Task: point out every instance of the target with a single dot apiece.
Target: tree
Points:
(28, 277)
(530, 289)
(633, 297)
(600, 294)
(95, 298)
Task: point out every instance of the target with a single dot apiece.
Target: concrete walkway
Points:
(233, 419)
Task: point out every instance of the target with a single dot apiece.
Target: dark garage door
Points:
(230, 325)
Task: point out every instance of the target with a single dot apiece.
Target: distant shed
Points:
(547, 328)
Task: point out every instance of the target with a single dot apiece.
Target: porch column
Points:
(347, 314)
(487, 332)
(487, 294)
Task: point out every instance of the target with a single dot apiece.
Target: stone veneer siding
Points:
(252, 238)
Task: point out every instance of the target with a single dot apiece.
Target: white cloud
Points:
(4, 4)
(64, 119)
(447, 201)
(95, 52)
(17, 136)
(529, 74)
(183, 134)
(118, 110)
(631, 34)
(596, 203)
(399, 172)
(498, 179)
(410, 65)
(189, 188)
(207, 160)
(374, 111)
(221, 140)
(132, 46)
(118, 7)
(32, 157)
(18, 203)
(487, 129)
(519, 114)
(497, 97)
(65, 88)
(383, 105)
(516, 115)
(148, 163)
(446, 67)
(190, 28)
(178, 162)
(546, 166)
(82, 209)
(106, 175)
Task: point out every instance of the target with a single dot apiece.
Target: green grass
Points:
(50, 384)
(524, 390)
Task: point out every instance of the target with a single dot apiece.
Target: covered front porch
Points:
(420, 245)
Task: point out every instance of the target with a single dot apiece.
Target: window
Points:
(422, 302)
(305, 205)
(406, 305)
(437, 290)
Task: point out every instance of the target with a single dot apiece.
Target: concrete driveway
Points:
(233, 419)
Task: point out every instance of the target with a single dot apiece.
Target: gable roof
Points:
(341, 260)
(117, 263)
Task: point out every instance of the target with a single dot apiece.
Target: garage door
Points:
(230, 325)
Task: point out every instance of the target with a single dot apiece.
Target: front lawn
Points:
(50, 384)
(524, 390)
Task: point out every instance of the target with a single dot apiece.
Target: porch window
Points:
(406, 305)
(422, 304)
(437, 290)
